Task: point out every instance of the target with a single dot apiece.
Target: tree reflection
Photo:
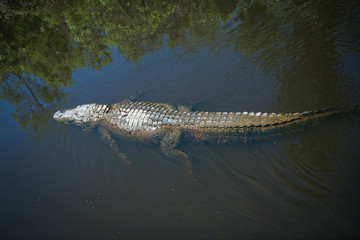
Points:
(297, 42)
(33, 99)
(43, 42)
(37, 58)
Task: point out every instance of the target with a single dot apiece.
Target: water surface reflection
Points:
(269, 56)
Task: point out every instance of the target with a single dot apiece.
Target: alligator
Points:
(163, 124)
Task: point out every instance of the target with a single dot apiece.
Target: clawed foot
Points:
(194, 178)
(124, 158)
(188, 166)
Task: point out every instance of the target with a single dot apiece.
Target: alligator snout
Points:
(58, 115)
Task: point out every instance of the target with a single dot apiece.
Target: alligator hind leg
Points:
(168, 146)
(182, 108)
(108, 138)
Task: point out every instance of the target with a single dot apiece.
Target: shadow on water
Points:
(269, 56)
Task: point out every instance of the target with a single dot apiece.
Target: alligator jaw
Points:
(58, 115)
(83, 114)
(66, 118)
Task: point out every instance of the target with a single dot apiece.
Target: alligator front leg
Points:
(108, 138)
(168, 146)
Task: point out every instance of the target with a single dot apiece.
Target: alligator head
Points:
(83, 115)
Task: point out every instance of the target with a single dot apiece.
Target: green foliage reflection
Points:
(43, 42)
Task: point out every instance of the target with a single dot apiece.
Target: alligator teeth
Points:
(258, 114)
(252, 114)
(264, 114)
(245, 113)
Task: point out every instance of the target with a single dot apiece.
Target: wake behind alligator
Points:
(163, 124)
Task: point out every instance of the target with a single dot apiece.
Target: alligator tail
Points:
(329, 111)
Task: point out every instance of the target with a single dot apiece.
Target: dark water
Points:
(60, 182)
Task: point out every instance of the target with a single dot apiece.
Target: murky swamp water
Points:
(60, 182)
